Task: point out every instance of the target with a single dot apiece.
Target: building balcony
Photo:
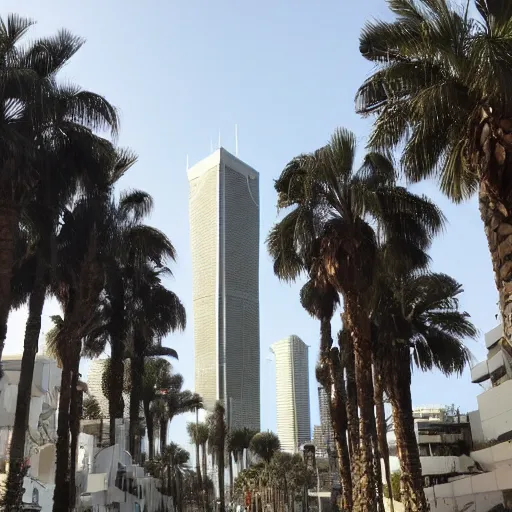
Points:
(495, 406)
(483, 371)
(493, 336)
(440, 438)
(448, 465)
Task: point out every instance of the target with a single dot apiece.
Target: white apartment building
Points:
(466, 460)
(106, 478)
(292, 393)
(224, 233)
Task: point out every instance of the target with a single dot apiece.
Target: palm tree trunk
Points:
(205, 467)
(220, 470)
(496, 213)
(347, 357)
(136, 370)
(364, 495)
(376, 461)
(198, 468)
(12, 499)
(150, 429)
(75, 415)
(61, 494)
(334, 386)
(163, 434)
(413, 495)
(9, 225)
(231, 480)
(116, 379)
(339, 425)
(381, 425)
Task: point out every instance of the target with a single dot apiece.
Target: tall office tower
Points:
(292, 392)
(325, 418)
(224, 231)
(94, 378)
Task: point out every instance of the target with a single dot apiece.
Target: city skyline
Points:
(224, 237)
(292, 392)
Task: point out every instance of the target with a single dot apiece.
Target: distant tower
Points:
(224, 232)
(325, 419)
(292, 393)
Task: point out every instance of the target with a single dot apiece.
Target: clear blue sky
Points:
(286, 72)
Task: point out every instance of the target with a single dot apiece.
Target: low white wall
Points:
(499, 455)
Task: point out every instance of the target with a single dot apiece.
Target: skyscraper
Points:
(292, 392)
(224, 231)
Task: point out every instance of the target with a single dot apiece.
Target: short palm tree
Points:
(442, 91)
(265, 445)
(174, 462)
(91, 408)
(418, 321)
(339, 217)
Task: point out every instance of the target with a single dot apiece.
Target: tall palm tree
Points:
(33, 104)
(68, 157)
(155, 311)
(175, 401)
(442, 91)
(319, 298)
(341, 206)
(199, 434)
(419, 321)
(157, 376)
(217, 431)
(137, 244)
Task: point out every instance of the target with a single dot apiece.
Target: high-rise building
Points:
(95, 387)
(292, 392)
(224, 231)
(325, 418)
(94, 379)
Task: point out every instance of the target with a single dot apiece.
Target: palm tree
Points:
(173, 402)
(155, 311)
(34, 104)
(418, 320)
(91, 408)
(319, 298)
(334, 213)
(442, 90)
(265, 445)
(67, 158)
(175, 459)
(217, 431)
(157, 376)
(137, 244)
(199, 434)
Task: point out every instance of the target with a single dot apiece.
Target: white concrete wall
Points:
(495, 406)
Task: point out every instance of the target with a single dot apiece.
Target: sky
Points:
(286, 73)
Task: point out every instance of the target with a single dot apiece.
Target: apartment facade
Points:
(292, 393)
(224, 232)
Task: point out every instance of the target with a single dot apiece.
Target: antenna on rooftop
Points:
(187, 161)
(219, 139)
(211, 144)
(236, 140)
